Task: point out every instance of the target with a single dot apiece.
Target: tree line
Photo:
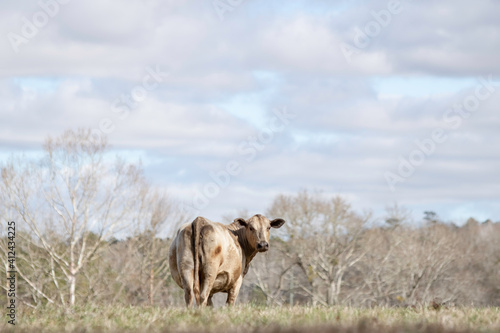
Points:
(91, 229)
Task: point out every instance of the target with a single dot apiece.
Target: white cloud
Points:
(353, 119)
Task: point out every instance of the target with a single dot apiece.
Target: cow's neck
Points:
(248, 250)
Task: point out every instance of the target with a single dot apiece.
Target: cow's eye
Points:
(252, 229)
(268, 228)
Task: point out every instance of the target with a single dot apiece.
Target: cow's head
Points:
(257, 230)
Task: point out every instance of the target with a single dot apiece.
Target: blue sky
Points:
(355, 121)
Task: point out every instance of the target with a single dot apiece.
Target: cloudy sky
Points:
(379, 101)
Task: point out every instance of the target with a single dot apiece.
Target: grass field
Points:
(254, 318)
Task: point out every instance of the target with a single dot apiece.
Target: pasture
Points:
(246, 318)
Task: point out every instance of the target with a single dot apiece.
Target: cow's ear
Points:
(277, 223)
(241, 221)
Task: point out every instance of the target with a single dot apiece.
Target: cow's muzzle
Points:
(263, 246)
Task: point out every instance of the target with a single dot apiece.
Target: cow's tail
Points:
(196, 258)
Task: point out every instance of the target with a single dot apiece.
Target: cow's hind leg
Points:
(208, 278)
(185, 265)
(187, 285)
(233, 292)
(210, 263)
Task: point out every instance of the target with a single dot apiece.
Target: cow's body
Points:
(208, 257)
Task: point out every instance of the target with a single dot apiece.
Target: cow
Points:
(208, 257)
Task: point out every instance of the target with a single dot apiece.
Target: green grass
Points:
(255, 318)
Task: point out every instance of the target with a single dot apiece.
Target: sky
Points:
(229, 103)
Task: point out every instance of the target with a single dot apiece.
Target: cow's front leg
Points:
(232, 294)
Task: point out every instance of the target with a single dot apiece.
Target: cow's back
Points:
(220, 252)
(219, 257)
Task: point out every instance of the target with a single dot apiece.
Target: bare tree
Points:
(139, 262)
(271, 274)
(326, 236)
(397, 215)
(72, 201)
(411, 265)
(158, 210)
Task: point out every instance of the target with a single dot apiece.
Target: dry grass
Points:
(253, 319)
